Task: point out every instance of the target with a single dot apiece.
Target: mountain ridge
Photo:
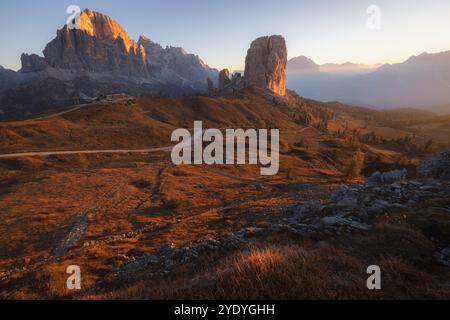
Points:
(303, 64)
(98, 58)
(421, 80)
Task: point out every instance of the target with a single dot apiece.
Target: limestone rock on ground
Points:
(437, 167)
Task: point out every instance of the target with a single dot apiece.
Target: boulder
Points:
(394, 176)
(437, 167)
(389, 177)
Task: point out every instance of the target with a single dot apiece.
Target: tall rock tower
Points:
(265, 65)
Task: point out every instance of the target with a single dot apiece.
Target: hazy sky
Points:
(220, 31)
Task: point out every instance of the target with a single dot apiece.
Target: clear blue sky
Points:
(220, 31)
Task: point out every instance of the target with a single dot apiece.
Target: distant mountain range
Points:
(421, 81)
(95, 59)
(304, 65)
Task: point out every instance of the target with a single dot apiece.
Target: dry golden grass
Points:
(297, 269)
(284, 272)
(39, 198)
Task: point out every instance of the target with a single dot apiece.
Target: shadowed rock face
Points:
(32, 63)
(224, 78)
(8, 78)
(176, 66)
(265, 65)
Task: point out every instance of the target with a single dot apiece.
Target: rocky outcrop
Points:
(437, 167)
(210, 85)
(265, 68)
(8, 79)
(351, 209)
(175, 66)
(265, 65)
(226, 85)
(32, 63)
(388, 177)
(224, 79)
(99, 45)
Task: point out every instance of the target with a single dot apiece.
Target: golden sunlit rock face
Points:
(265, 65)
(107, 29)
(99, 44)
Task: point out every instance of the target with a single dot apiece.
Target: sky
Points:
(220, 31)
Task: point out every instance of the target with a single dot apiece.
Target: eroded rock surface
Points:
(437, 167)
(265, 65)
(99, 45)
(224, 79)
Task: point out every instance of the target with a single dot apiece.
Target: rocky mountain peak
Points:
(104, 28)
(265, 65)
(144, 40)
(151, 48)
(176, 65)
(100, 44)
(302, 63)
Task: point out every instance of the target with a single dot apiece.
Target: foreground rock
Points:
(437, 167)
(350, 209)
(388, 177)
(265, 65)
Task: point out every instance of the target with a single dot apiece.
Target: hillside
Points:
(133, 215)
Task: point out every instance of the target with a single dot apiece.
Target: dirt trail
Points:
(54, 153)
(61, 113)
